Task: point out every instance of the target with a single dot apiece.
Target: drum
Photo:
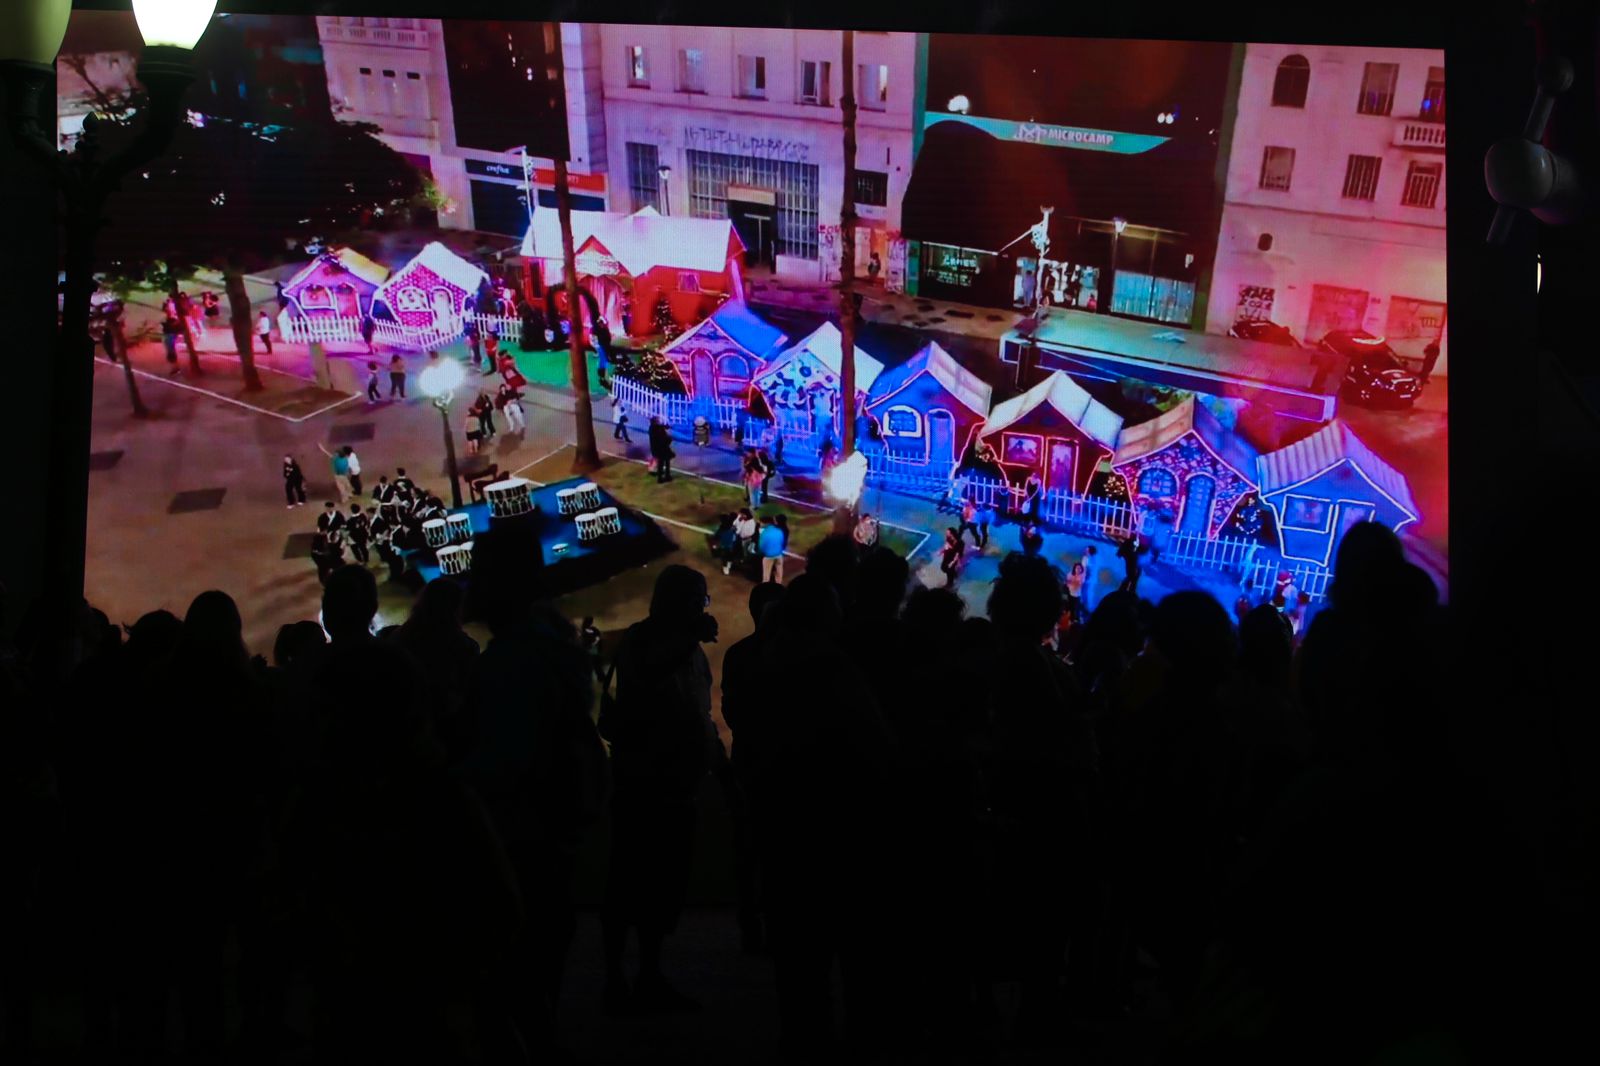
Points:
(459, 528)
(567, 501)
(510, 497)
(588, 496)
(435, 534)
(453, 562)
(588, 528)
(610, 521)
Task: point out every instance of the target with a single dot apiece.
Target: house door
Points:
(1198, 493)
(1061, 466)
(705, 376)
(443, 309)
(754, 214)
(345, 301)
(941, 441)
(1334, 308)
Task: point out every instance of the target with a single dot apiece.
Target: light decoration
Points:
(845, 481)
(175, 23)
(441, 380)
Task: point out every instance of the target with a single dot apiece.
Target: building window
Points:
(638, 72)
(379, 23)
(413, 75)
(388, 74)
(814, 82)
(1277, 168)
(1377, 89)
(872, 86)
(753, 77)
(1422, 185)
(1305, 514)
(403, 24)
(688, 281)
(794, 185)
(872, 188)
(1433, 96)
(644, 176)
(366, 71)
(1361, 177)
(691, 70)
(1157, 482)
(1294, 78)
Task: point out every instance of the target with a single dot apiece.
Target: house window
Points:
(688, 281)
(366, 71)
(638, 72)
(1361, 177)
(902, 421)
(795, 187)
(388, 74)
(412, 75)
(1157, 482)
(644, 176)
(1306, 514)
(1377, 89)
(1020, 449)
(378, 23)
(1277, 168)
(691, 70)
(1422, 185)
(1433, 96)
(872, 86)
(814, 81)
(872, 188)
(1290, 85)
(753, 77)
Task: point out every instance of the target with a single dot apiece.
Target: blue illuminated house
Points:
(1321, 486)
(720, 355)
(1185, 464)
(927, 409)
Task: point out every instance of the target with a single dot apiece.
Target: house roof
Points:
(1148, 438)
(448, 265)
(973, 392)
(640, 241)
(743, 326)
(353, 261)
(827, 347)
(1322, 451)
(1058, 390)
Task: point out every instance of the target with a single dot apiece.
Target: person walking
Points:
(341, 472)
(969, 520)
(491, 349)
(619, 419)
(1076, 580)
(358, 530)
(368, 329)
(770, 543)
(374, 394)
(754, 478)
(1128, 552)
(1033, 495)
(474, 430)
(986, 519)
(769, 470)
(509, 401)
(294, 483)
(397, 376)
(485, 409)
(950, 557)
(1087, 561)
(474, 345)
(353, 462)
(1430, 359)
(264, 331)
(169, 340)
(661, 450)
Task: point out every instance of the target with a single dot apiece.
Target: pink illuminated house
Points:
(429, 294)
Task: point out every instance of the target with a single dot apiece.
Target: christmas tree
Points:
(658, 372)
(663, 320)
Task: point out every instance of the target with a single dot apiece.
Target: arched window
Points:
(1157, 482)
(1294, 78)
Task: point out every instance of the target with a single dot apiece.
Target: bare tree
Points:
(847, 241)
(586, 459)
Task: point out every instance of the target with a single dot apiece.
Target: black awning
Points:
(973, 191)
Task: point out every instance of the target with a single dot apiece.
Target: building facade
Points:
(745, 124)
(1334, 213)
(395, 74)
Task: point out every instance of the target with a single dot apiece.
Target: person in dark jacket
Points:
(661, 449)
(662, 738)
(294, 482)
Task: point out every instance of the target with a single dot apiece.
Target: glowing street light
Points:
(959, 105)
(439, 383)
(176, 23)
(845, 481)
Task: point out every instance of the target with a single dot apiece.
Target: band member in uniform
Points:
(358, 530)
(330, 522)
(402, 483)
(294, 482)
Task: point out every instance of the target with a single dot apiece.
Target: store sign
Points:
(1053, 136)
(490, 168)
(951, 266)
(594, 265)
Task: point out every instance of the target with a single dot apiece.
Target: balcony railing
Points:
(381, 36)
(1419, 135)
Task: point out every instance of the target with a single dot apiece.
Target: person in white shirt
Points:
(264, 331)
(355, 469)
(745, 527)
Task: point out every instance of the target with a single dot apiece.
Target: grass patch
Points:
(552, 369)
(696, 501)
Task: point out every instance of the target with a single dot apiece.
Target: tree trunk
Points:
(847, 263)
(186, 331)
(119, 341)
(586, 459)
(239, 317)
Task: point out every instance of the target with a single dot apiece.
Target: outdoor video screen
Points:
(1197, 289)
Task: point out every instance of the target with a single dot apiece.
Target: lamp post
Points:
(31, 32)
(439, 383)
(1117, 226)
(665, 174)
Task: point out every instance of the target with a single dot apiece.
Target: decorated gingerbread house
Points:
(800, 388)
(430, 293)
(340, 283)
(927, 409)
(721, 355)
(1185, 464)
(1055, 429)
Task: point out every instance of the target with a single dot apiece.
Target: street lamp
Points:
(959, 105)
(439, 383)
(1117, 226)
(31, 32)
(665, 174)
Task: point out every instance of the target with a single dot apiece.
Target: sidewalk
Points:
(287, 396)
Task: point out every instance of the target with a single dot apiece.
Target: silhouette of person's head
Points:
(881, 581)
(1117, 621)
(154, 636)
(213, 629)
(1026, 602)
(505, 582)
(762, 597)
(439, 607)
(835, 559)
(809, 605)
(349, 604)
(1365, 569)
(296, 641)
(1192, 632)
(932, 615)
(679, 597)
(1266, 645)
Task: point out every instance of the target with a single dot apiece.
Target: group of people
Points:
(741, 539)
(757, 469)
(388, 526)
(1231, 849)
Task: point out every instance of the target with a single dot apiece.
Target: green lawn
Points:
(696, 501)
(553, 369)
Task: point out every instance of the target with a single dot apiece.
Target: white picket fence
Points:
(1262, 577)
(305, 329)
(679, 412)
(1196, 551)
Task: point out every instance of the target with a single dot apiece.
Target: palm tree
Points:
(586, 460)
(847, 261)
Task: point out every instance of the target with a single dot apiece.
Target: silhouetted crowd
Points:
(955, 843)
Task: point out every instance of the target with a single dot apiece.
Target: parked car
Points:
(1267, 332)
(1376, 376)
